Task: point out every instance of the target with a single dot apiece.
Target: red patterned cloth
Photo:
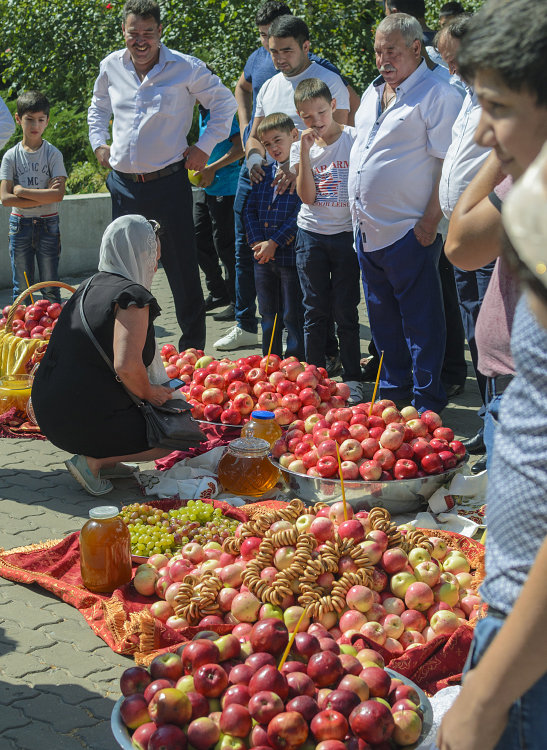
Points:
(12, 426)
(216, 437)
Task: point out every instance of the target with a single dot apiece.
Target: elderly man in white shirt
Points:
(463, 160)
(403, 132)
(151, 91)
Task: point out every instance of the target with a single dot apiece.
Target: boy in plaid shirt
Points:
(270, 222)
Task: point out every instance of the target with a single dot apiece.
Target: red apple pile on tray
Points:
(226, 391)
(181, 365)
(389, 444)
(222, 693)
(412, 598)
(35, 321)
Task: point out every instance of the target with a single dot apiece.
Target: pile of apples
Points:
(412, 599)
(181, 365)
(226, 391)
(225, 693)
(389, 444)
(35, 321)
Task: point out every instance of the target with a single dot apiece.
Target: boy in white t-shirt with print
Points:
(33, 179)
(325, 257)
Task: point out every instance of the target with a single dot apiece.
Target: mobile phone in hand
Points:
(175, 383)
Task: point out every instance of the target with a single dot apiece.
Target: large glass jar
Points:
(105, 551)
(245, 469)
(262, 425)
(15, 391)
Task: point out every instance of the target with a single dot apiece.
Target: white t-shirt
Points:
(33, 169)
(330, 214)
(277, 93)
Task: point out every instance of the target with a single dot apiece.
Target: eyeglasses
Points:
(155, 226)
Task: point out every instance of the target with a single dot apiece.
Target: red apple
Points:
(269, 678)
(166, 666)
(134, 711)
(269, 635)
(264, 705)
(170, 706)
(329, 725)
(168, 737)
(134, 680)
(325, 669)
(287, 730)
(372, 721)
(210, 680)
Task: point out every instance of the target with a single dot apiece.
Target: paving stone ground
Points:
(58, 681)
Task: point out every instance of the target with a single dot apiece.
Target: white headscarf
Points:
(129, 248)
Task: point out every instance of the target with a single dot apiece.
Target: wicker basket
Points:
(16, 352)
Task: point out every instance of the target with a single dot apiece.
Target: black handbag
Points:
(168, 426)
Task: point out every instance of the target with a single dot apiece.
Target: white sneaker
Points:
(236, 338)
(356, 392)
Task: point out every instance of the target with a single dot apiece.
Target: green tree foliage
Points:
(56, 46)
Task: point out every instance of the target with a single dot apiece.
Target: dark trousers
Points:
(405, 308)
(329, 276)
(278, 291)
(454, 370)
(471, 287)
(168, 200)
(215, 239)
(245, 312)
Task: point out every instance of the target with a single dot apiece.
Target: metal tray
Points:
(396, 496)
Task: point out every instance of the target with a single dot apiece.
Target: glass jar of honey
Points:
(15, 391)
(262, 425)
(105, 550)
(245, 469)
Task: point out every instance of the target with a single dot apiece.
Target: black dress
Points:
(79, 405)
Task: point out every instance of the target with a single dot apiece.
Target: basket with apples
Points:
(236, 691)
(226, 392)
(362, 581)
(388, 457)
(26, 328)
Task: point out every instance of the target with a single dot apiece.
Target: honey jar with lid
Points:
(105, 551)
(245, 468)
(262, 425)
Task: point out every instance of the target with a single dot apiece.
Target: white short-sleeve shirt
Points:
(464, 157)
(277, 94)
(330, 213)
(394, 160)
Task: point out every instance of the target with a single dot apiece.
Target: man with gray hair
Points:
(403, 132)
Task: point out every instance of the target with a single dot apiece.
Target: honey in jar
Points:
(245, 469)
(105, 551)
(15, 391)
(262, 425)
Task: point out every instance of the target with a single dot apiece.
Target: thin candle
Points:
(376, 384)
(271, 344)
(291, 641)
(28, 287)
(342, 483)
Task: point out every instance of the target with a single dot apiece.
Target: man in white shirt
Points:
(151, 91)
(463, 160)
(403, 131)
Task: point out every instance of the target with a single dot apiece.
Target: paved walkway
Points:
(58, 681)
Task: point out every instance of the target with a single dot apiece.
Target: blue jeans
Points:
(472, 286)
(406, 314)
(328, 270)
(30, 238)
(169, 201)
(527, 725)
(278, 290)
(245, 312)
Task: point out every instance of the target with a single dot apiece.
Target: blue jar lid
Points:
(262, 415)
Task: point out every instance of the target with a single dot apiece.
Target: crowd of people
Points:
(432, 187)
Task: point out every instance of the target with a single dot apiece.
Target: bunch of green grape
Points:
(156, 531)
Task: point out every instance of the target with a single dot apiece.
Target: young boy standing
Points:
(33, 179)
(270, 222)
(325, 258)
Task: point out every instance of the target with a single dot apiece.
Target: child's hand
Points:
(55, 182)
(264, 252)
(207, 175)
(17, 190)
(307, 139)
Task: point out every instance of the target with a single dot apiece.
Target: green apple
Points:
(400, 582)
(418, 555)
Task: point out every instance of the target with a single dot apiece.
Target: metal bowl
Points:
(123, 738)
(396, 496)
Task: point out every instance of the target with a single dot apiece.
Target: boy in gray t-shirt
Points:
(33, 180)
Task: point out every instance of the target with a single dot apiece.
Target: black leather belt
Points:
(497, 385)
(149, 176)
